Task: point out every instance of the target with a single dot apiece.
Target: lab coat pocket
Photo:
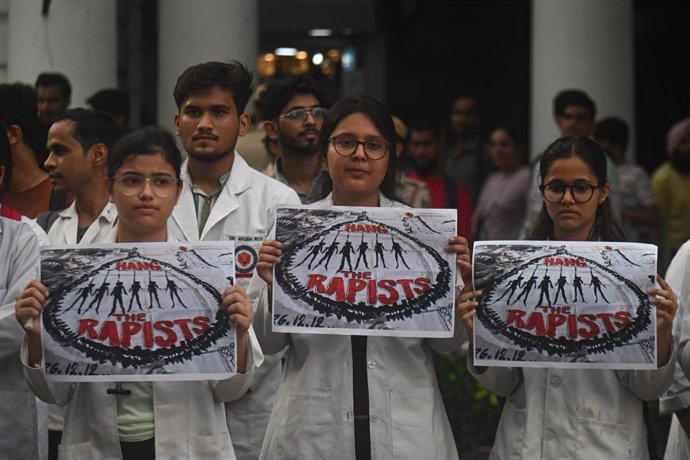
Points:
(77, 451)
(309, 429)
(412, 423)
(212, 447)
(510, 435)
(610, 438)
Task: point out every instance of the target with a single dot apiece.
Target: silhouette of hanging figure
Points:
(512, 287)
(577, 287)
(173, 288)
(153, 292)
(378, 249)
(398, 250)
(313, 252)
(529, 284)
(597, 284)
(84, 294)
(561, 283)
(362, 249)
(346, 250)
(101, 292)
(134, 293)
(116, 293)
(544, 286)
(329, 251)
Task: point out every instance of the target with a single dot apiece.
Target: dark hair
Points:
(572, 97)
(278, 93)
(383, 121)
(18, 107)
(606, 225)
(613, 130)
(424, 123)
(91, 127)
(5, 160)
(150, 140)
(113, 101)
(233, 76)
(55, 79)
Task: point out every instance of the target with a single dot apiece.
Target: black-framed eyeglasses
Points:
(161, 186)
(301, 114)
(374, 148)
(581, 191)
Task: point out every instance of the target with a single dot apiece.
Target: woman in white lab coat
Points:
(136, 420)
(354, 396)
(577, 413)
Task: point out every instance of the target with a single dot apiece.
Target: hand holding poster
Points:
(365, 271)
(565, 304)
(138, 311)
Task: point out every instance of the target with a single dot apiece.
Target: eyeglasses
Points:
(161, 186)
(346, 146)
(301, 114)
(581, 192)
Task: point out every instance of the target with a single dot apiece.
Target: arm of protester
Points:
(30, 303)
(261, 293)
(651, 384)
(238, 306)
(457, 245)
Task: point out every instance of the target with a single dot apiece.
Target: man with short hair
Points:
(424, 151)
(114, 102)
(574, 113)
(30, 190)
(223, 198)
(293, 109)
(78, 142)
(640, 213)
(464, 157)
(54, 93)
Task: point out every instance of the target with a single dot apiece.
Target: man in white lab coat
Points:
(223, 198)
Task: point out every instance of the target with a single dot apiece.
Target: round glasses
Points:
(161, 186)
(301, 114)
(581, 192)
(345, 146)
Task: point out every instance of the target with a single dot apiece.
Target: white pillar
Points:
(192, 32)
(587, 45)
(77, 38)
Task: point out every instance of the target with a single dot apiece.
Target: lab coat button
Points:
(555, 381)
(372, 364)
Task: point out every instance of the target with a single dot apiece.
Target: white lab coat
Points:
(678, 396)
(18, 414)
(244, 208)
(313, 413)
(64, 229)
(189, 417)
(578, 414)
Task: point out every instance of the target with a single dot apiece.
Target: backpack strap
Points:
(46, 219)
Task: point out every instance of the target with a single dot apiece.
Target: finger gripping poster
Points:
(565, 304)
(365, 271)
(138, 312)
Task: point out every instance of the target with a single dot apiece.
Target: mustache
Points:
(205, 136)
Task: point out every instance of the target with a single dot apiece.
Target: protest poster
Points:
(365, 271)
(565, 304)
(138, 312)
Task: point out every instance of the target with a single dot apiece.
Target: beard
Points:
(209, 157)
(292, 147)
(681, 161)
(426, 167)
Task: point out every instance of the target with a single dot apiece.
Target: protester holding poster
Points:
(577, 413)
(355, 396)
(136, 420)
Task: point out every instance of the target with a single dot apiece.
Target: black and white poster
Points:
(365, 271)
(138, 312)
(565, 304)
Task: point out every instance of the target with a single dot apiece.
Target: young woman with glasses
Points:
(355, 396)
(142, 420)
(577, 413)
